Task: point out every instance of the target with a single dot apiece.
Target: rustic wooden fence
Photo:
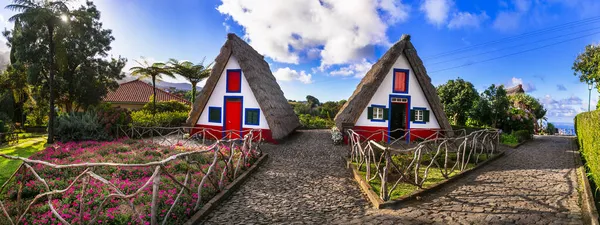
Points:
(232, 155)
(392, 161)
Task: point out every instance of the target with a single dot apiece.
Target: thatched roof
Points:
(279, 113)
(367, 87)
(515, 90)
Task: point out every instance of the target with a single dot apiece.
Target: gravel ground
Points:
(305, 181)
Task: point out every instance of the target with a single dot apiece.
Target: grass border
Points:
(586, 196)
(226, 193)
(517, 145)
(416, 195)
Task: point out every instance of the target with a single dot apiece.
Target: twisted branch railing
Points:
(227, 158)
(395, 161)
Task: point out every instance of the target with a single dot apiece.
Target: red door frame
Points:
(233, 112)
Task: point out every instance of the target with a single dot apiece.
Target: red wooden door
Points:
(233, 118)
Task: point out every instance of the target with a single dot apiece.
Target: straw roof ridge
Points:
(350, 112)
(278, 112)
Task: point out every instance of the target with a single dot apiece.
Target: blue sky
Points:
(323, 48)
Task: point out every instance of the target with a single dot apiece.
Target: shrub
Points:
(336, 135)
(165, 119)
(509, 139)
(519, 119)
(588, 138)
(167, 106)
(110, 118)
(522, 135)
(313, 122)
(80, 126)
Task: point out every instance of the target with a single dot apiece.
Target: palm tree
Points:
(194, 73)
(154, 70)
(47, 14)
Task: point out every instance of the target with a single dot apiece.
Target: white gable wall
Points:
(217, 99)
(381, 97)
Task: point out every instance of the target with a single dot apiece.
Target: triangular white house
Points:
(395, 97)
(242, 94)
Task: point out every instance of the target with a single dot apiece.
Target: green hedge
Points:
(315, 122)
(588, 138)
(165, 119)
(167, 106)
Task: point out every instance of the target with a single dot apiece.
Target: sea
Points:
(564, 128)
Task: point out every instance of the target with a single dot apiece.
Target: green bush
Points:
(165, 119)
(522, 135)
(80, 126)
(314, 122)
(588, 137)
(509, 139)
(168, 106)
(110, 117)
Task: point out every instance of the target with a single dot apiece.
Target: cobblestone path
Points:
(305, 181)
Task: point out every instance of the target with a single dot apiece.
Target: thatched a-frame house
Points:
(396, 96)
(242, 94)
(515, 90)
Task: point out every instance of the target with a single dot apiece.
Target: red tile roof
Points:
(137, 91)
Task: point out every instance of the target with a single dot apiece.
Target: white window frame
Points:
(419, 115)
(378, 113)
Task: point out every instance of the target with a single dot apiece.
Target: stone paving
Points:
(305, 181)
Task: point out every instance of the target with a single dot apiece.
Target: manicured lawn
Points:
(25, 148)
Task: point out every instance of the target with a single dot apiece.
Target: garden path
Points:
(305, 181)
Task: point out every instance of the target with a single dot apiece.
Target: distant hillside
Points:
(162, 84)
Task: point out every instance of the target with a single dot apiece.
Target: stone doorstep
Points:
(380, 204)
(225, 193)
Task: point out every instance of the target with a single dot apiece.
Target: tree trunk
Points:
(51, 85)
(154, 95)
(194, 92)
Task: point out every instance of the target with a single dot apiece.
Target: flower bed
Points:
(91, 192)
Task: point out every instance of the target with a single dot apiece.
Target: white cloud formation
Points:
(341, 30)
(527, 87)
(287, 74)
(567, 107)
(467, 20)
(507, 21)
(358, 70)
(436, 11)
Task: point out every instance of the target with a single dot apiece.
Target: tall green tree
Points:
(587, 65)
(497, 103)
(312, 101)
(46, 15)
(194, 73)
(84, 73)
(458, 97)
(155, 71)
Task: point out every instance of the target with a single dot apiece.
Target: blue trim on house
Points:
(406, 80)
(407, 114)
(377, 106)
(422, 109)
(220, 114)
(257, 114)
(225, 113)
(227, 81)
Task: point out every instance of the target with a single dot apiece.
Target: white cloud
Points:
(287, 74)
(567, 107)
(466, 20)
(340, 29)
(436, 11)
(358, 70)
(527, 87)
(506, 21)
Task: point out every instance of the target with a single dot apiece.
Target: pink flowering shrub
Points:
(87, 197)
